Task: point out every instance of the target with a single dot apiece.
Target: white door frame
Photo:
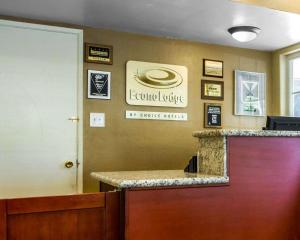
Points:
(79, 35)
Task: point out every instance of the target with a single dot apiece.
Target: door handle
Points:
(73, 119)
(69, 164)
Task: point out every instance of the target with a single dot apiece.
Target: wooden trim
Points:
(56, 203)
(3, 224)
(112, 215)
(123, 215)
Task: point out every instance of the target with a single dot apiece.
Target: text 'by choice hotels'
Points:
(156, 97)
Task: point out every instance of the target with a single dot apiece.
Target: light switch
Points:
(97, 119)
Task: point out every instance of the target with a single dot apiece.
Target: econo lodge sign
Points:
(155, 84)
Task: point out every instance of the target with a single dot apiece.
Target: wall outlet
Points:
(97, 119)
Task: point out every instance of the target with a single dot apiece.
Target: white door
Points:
(40, 74)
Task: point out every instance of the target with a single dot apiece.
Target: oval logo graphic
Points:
(159, 78)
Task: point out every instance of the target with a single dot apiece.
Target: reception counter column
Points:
(212, 155)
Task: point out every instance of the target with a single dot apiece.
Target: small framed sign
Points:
(250, 93)
(96, 53)
(212, 68)
(212, 90)
(212, 115)
(99, 84)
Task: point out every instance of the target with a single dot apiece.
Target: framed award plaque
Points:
(99, 84)
(212, 115)
(96, 53)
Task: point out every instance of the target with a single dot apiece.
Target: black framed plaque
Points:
(212, 115)
(96, 53)
(99, 84)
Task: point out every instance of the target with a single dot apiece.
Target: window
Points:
(294, 85)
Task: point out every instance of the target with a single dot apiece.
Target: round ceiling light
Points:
(244, 33)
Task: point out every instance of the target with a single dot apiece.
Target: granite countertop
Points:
(245, 133)
(156, 178)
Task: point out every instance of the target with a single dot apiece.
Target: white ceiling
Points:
(197, 20)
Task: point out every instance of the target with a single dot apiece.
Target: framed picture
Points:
(212, 68)
(250, 93)
(96, 53)
(99, 84)
(212, 90)
(212, 115)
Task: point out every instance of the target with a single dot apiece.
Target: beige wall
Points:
(144, 144)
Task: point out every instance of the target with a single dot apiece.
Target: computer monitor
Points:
(283, 123)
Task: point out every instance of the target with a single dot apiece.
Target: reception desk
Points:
(247, 188)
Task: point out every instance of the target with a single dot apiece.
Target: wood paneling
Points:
(297, 223)
(78, 217)
(260, 203)
(112, 216)
(56, 203)
(2, 220)
(84, 224)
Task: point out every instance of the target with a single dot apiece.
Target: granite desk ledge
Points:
(156, 178)
(245, 133)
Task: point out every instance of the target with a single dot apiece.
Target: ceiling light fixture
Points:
(244, 33)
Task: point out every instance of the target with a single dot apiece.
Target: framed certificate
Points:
(212, 68)
(250, 93)
(212, 90)
(99, 84)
